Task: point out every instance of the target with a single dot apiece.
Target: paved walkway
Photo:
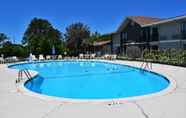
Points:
(16, 104)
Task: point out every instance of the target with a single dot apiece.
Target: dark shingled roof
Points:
(143, 20)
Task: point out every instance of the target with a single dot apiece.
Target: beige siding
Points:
(168, 30)
(167, 33)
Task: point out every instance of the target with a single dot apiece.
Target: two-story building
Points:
(151, 33)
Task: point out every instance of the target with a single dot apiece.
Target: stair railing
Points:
(20, 75)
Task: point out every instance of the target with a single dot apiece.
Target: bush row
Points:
(169, 56)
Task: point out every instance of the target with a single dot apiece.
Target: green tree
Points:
(75, 34)
(10, 49)
(40, 37)
(3, 38)
(96, 37)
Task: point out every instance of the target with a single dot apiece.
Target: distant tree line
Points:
(40, 37)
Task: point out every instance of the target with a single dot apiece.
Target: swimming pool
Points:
(92, 80)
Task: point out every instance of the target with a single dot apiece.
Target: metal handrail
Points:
(20, 75)
(27, 73)
(146, 65)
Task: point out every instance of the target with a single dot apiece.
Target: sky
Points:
(103, 16)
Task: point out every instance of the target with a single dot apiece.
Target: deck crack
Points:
(141, 110)
(51, 111)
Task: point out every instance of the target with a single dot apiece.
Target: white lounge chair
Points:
(11, 59)
(106, 56)
(87, 56)
(14, 58)
(33, 58)
(113, 57)
(48, 57)
(81, 56)
(92, 56)
(59, 57)
(41, 57)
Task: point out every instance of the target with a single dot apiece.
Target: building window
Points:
(154, 34)
(183, 27)
(124, 36)
(184, 46)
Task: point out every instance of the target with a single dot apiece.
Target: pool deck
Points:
(15, 103)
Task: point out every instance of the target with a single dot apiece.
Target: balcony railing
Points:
(180, 36)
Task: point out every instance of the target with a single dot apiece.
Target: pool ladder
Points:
(20, 75)
(146, 66)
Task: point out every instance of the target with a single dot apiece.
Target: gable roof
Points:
(144, 21)
(166, 20)
(141, 20)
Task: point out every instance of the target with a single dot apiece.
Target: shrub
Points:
(169, 56)
(183, 57)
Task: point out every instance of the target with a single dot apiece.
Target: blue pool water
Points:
(92, 80)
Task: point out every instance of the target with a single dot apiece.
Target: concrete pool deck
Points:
(14, 103)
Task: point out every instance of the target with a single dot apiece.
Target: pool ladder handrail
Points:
(20, 75)
(146, 66)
